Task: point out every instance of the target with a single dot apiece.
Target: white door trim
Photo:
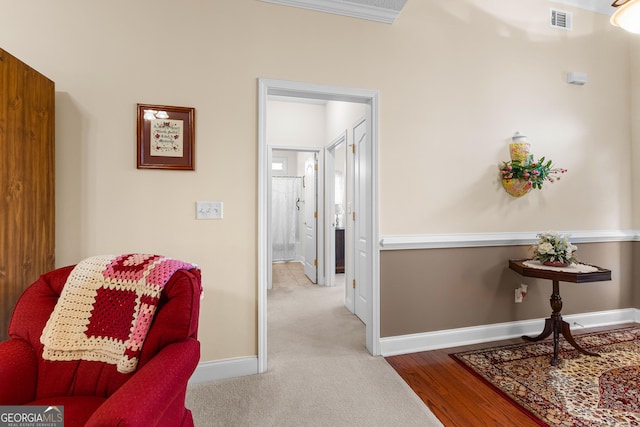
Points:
(268, 87)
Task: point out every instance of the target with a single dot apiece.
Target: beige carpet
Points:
(319, 372)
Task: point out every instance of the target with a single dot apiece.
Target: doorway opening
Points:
(295, 188)
(364, 198)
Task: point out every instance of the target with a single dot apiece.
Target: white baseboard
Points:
(404, 344)
(223, 369)
(413, 343)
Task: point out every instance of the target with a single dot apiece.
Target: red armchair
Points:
(95, 393)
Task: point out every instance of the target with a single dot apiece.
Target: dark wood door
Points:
(339, 250)
(27, 162)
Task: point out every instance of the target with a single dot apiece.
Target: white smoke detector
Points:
(575, 78)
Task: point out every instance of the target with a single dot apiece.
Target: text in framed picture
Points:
(165, 137)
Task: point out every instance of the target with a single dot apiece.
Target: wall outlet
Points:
(518, 295)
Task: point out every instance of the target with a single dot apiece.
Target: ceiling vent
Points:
(561, 19)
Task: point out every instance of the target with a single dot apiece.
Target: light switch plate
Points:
(208, 210)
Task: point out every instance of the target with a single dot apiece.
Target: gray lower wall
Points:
(425, 290)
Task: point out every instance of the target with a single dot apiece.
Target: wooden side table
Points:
(555, 323)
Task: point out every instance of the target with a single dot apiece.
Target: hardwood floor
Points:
(454, 395)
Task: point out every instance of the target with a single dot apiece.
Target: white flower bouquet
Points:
(554, 249)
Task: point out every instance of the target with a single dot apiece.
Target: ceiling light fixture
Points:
(627, 16)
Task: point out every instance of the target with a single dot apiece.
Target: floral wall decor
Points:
(554, 249)
(523, 172)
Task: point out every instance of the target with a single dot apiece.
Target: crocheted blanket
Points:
(106, 307)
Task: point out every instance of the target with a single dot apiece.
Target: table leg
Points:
(556, 325)
(548, 328)
(551, 325)
(566, 332)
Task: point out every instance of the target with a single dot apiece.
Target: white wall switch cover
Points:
(208, 210)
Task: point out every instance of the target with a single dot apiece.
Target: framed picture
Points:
(165, 137)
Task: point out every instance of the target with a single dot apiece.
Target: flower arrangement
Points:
(534, 172)
(554, 248)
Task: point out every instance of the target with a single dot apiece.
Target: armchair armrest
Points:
(18, 372)
(144, 398)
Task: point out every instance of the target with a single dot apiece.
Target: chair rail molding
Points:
(470, 240)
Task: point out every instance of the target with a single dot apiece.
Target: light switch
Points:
(208, 210)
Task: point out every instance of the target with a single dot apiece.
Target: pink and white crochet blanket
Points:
(106, 307)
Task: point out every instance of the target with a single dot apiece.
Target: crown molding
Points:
(336, 7)
(389, 15)
(599, 6)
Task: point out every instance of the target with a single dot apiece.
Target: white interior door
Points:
(361, 219)
(310, 219)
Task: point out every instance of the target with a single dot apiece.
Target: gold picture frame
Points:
(165, 137)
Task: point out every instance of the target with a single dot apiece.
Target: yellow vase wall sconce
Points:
(523, 172)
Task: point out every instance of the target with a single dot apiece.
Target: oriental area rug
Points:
(580, 391)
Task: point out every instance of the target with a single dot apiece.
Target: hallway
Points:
(306, 320)
(286, 274)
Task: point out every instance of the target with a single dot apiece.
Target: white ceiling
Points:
(388, 10)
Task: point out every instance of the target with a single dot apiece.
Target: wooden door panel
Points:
(27, 157)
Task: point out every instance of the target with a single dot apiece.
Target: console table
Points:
(555, 323)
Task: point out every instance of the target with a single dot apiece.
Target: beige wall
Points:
(634, 54)
(296, 124)
(481, 71)
(456, 79)
(342, 116)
